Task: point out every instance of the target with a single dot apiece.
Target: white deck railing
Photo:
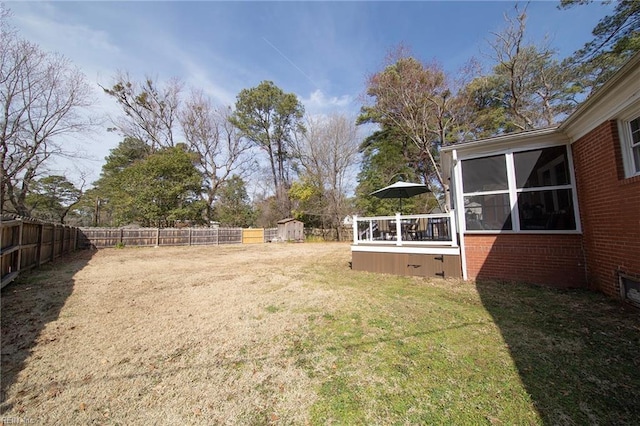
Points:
(401, 230)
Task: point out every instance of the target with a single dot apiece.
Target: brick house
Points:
(558, 206)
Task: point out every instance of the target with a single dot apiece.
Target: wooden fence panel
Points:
(30, 233)
(66, 239)
(46, 248)
(106, 237)
(58, 235)
(10, 234)
(204, 236)
(28, 257)
(30, 241)
(111, 237)
(253, 236)
(27, 244)
(9, 266)
(229, 235)
(144, 237)
(174, 237)
(10, 251)
(270, 234)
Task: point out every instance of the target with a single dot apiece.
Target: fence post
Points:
(189, 236)
(39, 246)
(158, 238)
(53, 242)
(20, 231)
(121, 235)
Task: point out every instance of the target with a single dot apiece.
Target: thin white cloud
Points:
(72, 40)
(318, 103)
(198, 75)
(290, 61)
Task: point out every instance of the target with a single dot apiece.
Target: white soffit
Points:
(529, 139)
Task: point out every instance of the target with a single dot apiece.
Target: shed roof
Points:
(287, 220)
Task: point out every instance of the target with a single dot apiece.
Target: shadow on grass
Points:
(28, 307)
(577, 352)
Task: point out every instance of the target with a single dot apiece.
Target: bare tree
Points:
(43, 99)
(416, 99)
(220, 147)
(533, 92)
(161, 115)
(328, 152)
(150, 112)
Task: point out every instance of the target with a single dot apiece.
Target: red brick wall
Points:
(555, 260)
(609, 208)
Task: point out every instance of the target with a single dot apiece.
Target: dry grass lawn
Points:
(288, 334)
(170, 335)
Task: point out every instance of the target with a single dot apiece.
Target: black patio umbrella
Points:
(401, 190)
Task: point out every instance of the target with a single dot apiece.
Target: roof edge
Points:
(629, 66)
(509, 137)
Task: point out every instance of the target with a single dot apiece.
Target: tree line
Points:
(184, 159)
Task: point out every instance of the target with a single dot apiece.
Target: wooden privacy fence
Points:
(28, 244)
(252, 236)
(114, 237)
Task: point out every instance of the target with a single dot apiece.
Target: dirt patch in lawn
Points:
(169, 335)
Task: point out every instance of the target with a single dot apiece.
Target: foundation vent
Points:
(630, 289)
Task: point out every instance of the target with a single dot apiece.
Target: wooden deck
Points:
(413, 245)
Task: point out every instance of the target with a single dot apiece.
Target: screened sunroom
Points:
(515, 202)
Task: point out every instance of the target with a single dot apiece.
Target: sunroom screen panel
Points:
(484, 174)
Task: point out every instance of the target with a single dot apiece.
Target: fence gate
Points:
(253, 236)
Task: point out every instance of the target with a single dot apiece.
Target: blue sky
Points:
(321, 51)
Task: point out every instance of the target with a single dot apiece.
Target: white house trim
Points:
(540, 138)
(626, 140)
(461, 224)
(455, 251)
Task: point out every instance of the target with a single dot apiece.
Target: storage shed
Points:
(290, 229)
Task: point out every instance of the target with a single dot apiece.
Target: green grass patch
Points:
(272, 309)
(410, 350)
(308, 342)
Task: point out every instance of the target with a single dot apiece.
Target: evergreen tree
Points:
(233, 207)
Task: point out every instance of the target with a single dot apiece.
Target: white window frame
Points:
(504, 191)
(514, 191)
(626, 143)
